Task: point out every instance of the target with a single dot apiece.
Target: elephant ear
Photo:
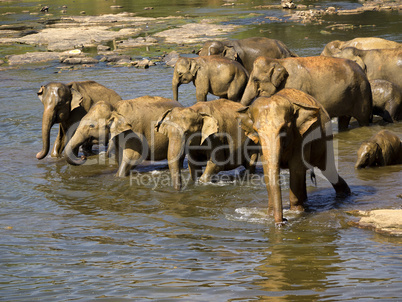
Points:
(307, 117)
(161, 123)
(209, 126)
(379, 158)
(247, 125)
(278, 74)
(194, 66)
(361, 63)
(230, 53)
(40, 93)
(77, 99)
(118, 124)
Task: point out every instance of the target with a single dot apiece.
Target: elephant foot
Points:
(297, 208)
(281, 224)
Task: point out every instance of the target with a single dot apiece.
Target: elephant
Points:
(130, 126)
(336, 46)
(383, 149)
(294, 131)
(247, 50)
(338, 84)
(66, 105)
(209, 134)
(384, 64)
(387, 100)
(220, 76)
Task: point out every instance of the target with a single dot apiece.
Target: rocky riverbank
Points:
(87, 40)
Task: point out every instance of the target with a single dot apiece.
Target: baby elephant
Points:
(214, 74)
(209, 135)
(387, 100)
(383, 149)
(129, 125)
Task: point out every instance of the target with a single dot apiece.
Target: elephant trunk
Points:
(71, 150)
(175, 86)
(175, 155)
(250, 92)
(47, 123)
(271, 152)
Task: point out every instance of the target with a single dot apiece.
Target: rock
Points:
(145, 63)
(1, 62)
(288, 4)
(73, 36)
(195, 32)
(79, 60)
(115, 58)
(33, 57)
(137, 42)
(102, 48)
(381, 221)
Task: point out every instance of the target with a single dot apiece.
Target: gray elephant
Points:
(338, 84)
(209, 134)
(336, 46)
(294, 132)
(247, 50)
(66, 105)
(130, 127)
(210, 74)
(383, 149)
(387, 100)
(384, 64)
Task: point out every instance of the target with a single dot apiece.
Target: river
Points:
(80, 234)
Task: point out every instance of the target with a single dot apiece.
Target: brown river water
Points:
(80, 234)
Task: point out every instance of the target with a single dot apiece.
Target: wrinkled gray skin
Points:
(130, 128)
(387, 100)
(211, 74)
(338, 84)
(247, 50)
(383, 149)
(209, 134)
(336, 46)
(294, 132)
(66, 105)
(384, 64)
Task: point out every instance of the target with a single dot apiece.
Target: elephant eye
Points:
(91, 126)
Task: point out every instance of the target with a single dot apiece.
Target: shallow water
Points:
(79, 233)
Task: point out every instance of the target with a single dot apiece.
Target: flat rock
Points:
(33, 57)
(381, 221)
(195, 32)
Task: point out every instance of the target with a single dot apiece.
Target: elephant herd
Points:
(272, 103)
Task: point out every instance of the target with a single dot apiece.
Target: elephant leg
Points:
(59, 143)
(131, 156)
(331, 173)
(343, 123)
(234, 94)
(195, 171)
(211, 169)
(298, 191)
(129, 160)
